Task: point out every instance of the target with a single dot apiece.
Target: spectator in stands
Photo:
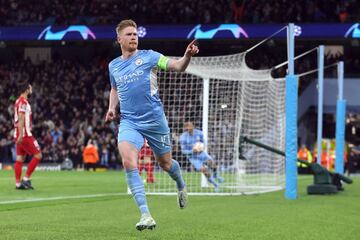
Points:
(56, 134)
(354, 160)
(76, 157)
(104, 159)
(90, 156)
(186, 11)
(305, 155)
(238, 8)
(343, 15)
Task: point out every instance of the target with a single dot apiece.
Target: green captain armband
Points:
(162, 63)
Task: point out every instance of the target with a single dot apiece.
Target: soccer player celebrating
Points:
(26, 144)
(133, 81)
(192, 145)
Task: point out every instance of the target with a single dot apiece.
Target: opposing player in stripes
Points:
(26, 144)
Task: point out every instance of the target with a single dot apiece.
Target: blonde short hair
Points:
(124, 24)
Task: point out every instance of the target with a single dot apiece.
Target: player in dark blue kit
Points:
(133, 78)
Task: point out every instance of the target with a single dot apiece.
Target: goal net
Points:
(225, 99)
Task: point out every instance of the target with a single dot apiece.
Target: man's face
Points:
(189, 127)
(29, 91)
(128, 39)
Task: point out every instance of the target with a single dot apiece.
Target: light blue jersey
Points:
(187, 142)
(142, 113)
(135, 80)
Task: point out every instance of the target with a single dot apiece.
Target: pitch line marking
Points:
(61, 198)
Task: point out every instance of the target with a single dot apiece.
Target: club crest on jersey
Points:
(138, 62)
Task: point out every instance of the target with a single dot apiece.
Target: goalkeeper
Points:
(192, 145)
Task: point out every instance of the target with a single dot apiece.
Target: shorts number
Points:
(165, 140)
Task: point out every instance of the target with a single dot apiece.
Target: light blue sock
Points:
(215, 173)
(175, 173)
(137, 189)
(212, 181)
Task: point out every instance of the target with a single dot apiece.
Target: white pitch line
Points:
(61, 198)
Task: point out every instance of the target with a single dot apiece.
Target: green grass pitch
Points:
(86, 205)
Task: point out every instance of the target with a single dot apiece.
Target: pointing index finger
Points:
(194, 42)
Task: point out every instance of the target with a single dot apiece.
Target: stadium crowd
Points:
(70, 99)
(68, 104)
(98, 12)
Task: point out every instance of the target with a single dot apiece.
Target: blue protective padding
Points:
(291, 137)
(340, 135)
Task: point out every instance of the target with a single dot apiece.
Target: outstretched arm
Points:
(181, 64)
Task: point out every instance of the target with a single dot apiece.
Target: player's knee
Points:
(20, 158)
(129, 159)
(38, 155)
(205, 171)
(165, 161)
(129, 155)
(165, 165)
(129, 164)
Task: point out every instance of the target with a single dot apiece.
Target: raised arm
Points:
(181, 64)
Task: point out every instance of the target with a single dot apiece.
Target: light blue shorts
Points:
(156, 133)
(199, 159)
